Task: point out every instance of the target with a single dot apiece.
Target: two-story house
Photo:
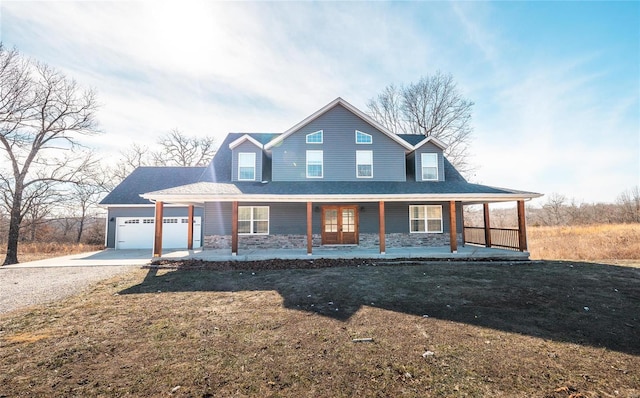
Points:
(336, 178)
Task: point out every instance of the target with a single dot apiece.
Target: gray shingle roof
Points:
(147, 179)
(215, 181)
(285, 188)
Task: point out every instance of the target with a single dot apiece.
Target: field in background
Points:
(585, 242)
(32, 251)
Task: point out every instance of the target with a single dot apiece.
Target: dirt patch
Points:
(546, 329)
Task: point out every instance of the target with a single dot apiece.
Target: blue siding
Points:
(143, 211)
(339, 146)
(246, 147)
(429, 148)
(290, 218)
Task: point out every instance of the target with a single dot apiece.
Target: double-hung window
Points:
(429, 166)
(364, 164)
(314, 164)
(246, 166)
(425, 218)
(253, 220)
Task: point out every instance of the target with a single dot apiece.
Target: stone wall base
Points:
(300, 241)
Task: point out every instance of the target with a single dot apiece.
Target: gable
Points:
(340, 147)
(366, 119)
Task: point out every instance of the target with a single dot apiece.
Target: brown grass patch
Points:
(27, 337)
(495, 330)
(586, 242)
(32, 251)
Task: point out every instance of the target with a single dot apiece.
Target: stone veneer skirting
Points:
(300, 241)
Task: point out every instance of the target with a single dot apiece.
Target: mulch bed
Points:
(280, 264)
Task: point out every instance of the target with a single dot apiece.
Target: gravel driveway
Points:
(21, 287)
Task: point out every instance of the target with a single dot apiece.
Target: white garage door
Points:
(137, 232)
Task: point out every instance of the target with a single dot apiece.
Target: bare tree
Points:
(629, 202)
(42, 112)
(177, 149)
(173, 149)
(129, 160)
(433, 107)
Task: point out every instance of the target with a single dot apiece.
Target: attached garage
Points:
(138, 232)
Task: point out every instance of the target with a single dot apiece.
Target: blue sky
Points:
(556, 85)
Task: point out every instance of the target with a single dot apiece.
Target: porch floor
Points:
(467, 252)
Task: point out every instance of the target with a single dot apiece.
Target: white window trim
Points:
(251, 220)
(364, 143)
(253, 155)
(422, 167)
(315, 132)
(322, 163)
(359, 176)
(426, 220)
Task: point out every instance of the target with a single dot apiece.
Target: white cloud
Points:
(211, 68)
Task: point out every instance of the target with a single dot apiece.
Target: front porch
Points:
(464, 253)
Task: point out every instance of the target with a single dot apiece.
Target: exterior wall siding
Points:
(288, 228)
(246, 147)
(429, 148)
(339, 150)
(143, 211)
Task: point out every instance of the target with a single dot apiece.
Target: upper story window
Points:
(425, 218)
(429, 163)
(314, 164)
(364, 164)
(314, 138)
(363, 138)
(246, 166)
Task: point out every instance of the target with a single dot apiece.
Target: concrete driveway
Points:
(107, 257)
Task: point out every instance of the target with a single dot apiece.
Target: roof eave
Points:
(458, 197)
(244, 138)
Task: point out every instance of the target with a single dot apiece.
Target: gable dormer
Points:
(429, 160)
(338, 143)
(246, 159)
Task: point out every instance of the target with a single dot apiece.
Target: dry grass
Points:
(32, 251)
(586, 242)
(492, 330)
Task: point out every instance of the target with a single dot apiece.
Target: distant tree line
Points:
(558, 210)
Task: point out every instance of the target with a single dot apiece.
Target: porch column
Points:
(190, 228)
(522, 227)
(234, 228)
(464, 238)
(157, 238)
(487, 225)
(381, 224)
(453, 236)
(309, 229)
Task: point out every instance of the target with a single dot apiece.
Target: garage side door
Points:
(137, 232)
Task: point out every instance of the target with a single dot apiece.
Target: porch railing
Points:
(505, 238)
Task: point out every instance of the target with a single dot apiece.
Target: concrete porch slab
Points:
(435, 253)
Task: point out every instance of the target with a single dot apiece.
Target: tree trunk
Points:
(14, 228)
(80, 229)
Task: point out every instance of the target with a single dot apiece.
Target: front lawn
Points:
(542, 329)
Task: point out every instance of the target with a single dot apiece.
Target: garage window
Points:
(253, 220)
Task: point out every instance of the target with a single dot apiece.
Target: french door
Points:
(340, 225)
